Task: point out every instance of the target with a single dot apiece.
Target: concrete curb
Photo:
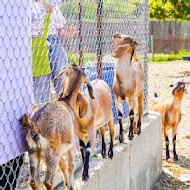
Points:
(136, 164)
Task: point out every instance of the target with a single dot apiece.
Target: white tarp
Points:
(16, 92)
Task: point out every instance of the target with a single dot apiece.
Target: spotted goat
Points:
(51, 133)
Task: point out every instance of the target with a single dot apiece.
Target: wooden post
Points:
(152, 47)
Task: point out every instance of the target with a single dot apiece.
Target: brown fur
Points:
(170, 110)
(50, 134)
(95, 112)
(128, 81)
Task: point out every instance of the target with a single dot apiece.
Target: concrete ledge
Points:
(135, 166)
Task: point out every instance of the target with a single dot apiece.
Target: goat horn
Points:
(187, 82)
(62, 70)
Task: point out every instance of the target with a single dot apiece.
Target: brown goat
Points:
(171, 114)
(93, 114)
(128, 82)
(50, 134)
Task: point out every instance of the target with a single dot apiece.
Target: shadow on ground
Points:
(167, 182)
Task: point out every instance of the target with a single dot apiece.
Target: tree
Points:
(170, 9)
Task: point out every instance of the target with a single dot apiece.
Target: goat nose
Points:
(115, 35)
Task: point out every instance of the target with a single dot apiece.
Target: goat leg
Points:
(71, 167)
(88, 150)
(140, 110)
(52, 161)
(34, 170)
(110, 152)
(119, 105)
(131, 116)
(174, 148)
(103, 133)
(63, 165)
(112, 138)
(121, 136)
(82, 147)
(85, 174)
(167, 148)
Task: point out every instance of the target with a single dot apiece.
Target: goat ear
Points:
(24, 119)
(121, 50)
(90, 90)
(83, 105)
(185, 90)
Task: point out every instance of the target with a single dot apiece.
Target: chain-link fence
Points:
(38, 39)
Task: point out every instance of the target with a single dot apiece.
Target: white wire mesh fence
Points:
(36, 40)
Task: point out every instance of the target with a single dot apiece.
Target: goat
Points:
(128, 82)
(50, 134)
(93, 114)
(171, 114)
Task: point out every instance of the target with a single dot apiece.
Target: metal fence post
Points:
(80, 35)
(146, 36)
(99, 39)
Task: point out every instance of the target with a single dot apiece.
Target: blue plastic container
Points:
(107, 76)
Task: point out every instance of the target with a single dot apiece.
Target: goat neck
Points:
(71, 91)
(178, 98)
(124, 62)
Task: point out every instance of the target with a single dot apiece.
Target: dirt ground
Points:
(175, 175)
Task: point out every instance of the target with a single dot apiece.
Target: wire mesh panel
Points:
(40, 38)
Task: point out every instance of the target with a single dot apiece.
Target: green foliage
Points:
(170, 9)
(160, 57)
(74, 58)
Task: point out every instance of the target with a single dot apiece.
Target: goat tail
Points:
(33, 137)
(155, 95)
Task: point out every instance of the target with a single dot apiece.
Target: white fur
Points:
(31, 143)
(42, 143)
(66, 147)
(88, 150)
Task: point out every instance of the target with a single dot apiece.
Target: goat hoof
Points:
(121, 139)
(103, 155)
(69, 188)
(110, 154)
(131, 137)
(167, 158)
(175, 157)
(85, 178)
(139, 132)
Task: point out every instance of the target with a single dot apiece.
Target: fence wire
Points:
(38, 38)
